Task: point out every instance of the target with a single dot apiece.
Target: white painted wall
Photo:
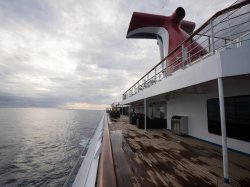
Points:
(235, 61)
(194, 106)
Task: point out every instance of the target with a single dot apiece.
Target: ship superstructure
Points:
(203, 78)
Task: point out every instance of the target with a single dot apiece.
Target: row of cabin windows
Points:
(237, 112)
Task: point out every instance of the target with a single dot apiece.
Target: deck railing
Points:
(228, 28)
(85, 170)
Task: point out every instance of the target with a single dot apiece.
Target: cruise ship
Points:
(200, 88)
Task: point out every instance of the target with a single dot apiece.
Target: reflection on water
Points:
(38, 147)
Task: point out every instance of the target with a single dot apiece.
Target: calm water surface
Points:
(38, 147)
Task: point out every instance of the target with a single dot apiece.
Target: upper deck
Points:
(225, 38)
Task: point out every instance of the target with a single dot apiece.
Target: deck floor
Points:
(159, 158)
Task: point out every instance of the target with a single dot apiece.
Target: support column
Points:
(223, 131)
(145, 115)
(129, 112)
(166, 112)
(122, 109)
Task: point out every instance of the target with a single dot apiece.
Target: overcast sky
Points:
(74, 53)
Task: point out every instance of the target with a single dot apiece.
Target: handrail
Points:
(106, 170)
(188, 42)
(86, 176)
(71, 177)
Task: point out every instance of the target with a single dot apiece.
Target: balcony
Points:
(227, 30)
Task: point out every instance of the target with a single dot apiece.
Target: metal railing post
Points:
(148, 81)
(145, 114)
(209, 44)
(212, 37)
(183, 55)
(155, 74)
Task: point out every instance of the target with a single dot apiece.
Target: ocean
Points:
(39, 146)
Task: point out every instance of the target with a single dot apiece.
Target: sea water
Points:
(39, 146)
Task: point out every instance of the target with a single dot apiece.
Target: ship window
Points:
(237, 111)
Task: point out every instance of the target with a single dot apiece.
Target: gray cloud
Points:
(18, 13)
(58, 53)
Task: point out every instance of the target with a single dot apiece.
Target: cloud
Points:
(88, 106)
(74, 53)
(19, 13)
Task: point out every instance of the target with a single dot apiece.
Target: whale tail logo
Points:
(169, 31)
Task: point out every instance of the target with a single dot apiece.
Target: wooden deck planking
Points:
(159, 158)
(122, 169)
